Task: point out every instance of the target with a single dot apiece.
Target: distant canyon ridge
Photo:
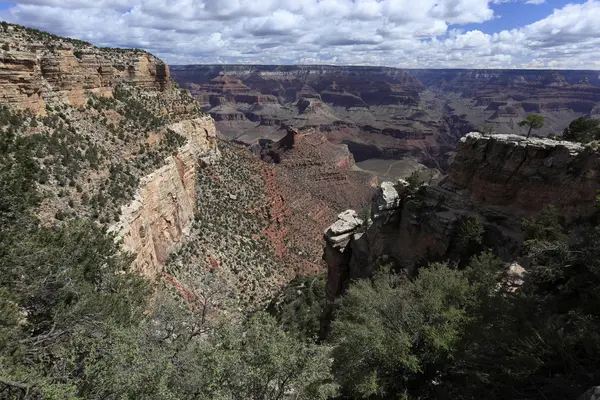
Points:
(394, 121)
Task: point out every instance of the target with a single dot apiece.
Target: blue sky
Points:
(402, 33)
(514, 15)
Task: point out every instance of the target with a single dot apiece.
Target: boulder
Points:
(387, 198)
(515, 277)
(339, 233)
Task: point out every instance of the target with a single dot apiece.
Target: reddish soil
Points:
(311, 185)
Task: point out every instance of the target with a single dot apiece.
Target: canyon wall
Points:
(33, 73)
(158, 220)
(151, 131)
(498, 179)
(526, 174)
(386, 114)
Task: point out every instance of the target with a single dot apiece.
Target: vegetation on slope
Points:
(461, 333)
(91, 158)
(582, 130)
(75, 323)
(229, 252)
(36, 34)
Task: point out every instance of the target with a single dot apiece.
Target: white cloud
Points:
(384, 32)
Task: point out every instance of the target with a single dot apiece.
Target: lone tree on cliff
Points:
(533, 121)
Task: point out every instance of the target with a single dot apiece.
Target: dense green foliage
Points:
(582, 130)
(466, 333)
(468, 238)
(58, 285)
(172, 355)
(392, 335)
(300, 306)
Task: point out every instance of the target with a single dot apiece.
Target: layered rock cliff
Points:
(497, 180)
(120, 143)
(37, 68)
(159, 218)
(526, 174)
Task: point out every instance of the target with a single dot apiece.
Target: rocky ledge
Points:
(526, 174)
(33, 73)
(498, 179)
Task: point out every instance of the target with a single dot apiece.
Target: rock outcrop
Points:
(526, 174)
(33, 74)
(340, 232)
(337, 254)
(159, 219)
(498, 179)
(148, 130)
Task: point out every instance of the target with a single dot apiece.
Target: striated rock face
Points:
(160, 217)
(33, 74)
(509, 170)
(497, 179)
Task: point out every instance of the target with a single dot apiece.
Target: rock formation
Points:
(509, 170)
(133, 137)
(159, 219)
(32, 73)
(498, 179)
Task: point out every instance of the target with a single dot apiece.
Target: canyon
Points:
(394, 121)
(125, 147)
(143, 223)
(285, 148)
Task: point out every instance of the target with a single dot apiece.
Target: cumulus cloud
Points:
(400, 33)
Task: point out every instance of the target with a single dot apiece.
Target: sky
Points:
(553, 34)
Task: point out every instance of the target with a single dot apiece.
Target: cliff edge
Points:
(37, 68)
(497, 180)
(526, 174)
(120, 144)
